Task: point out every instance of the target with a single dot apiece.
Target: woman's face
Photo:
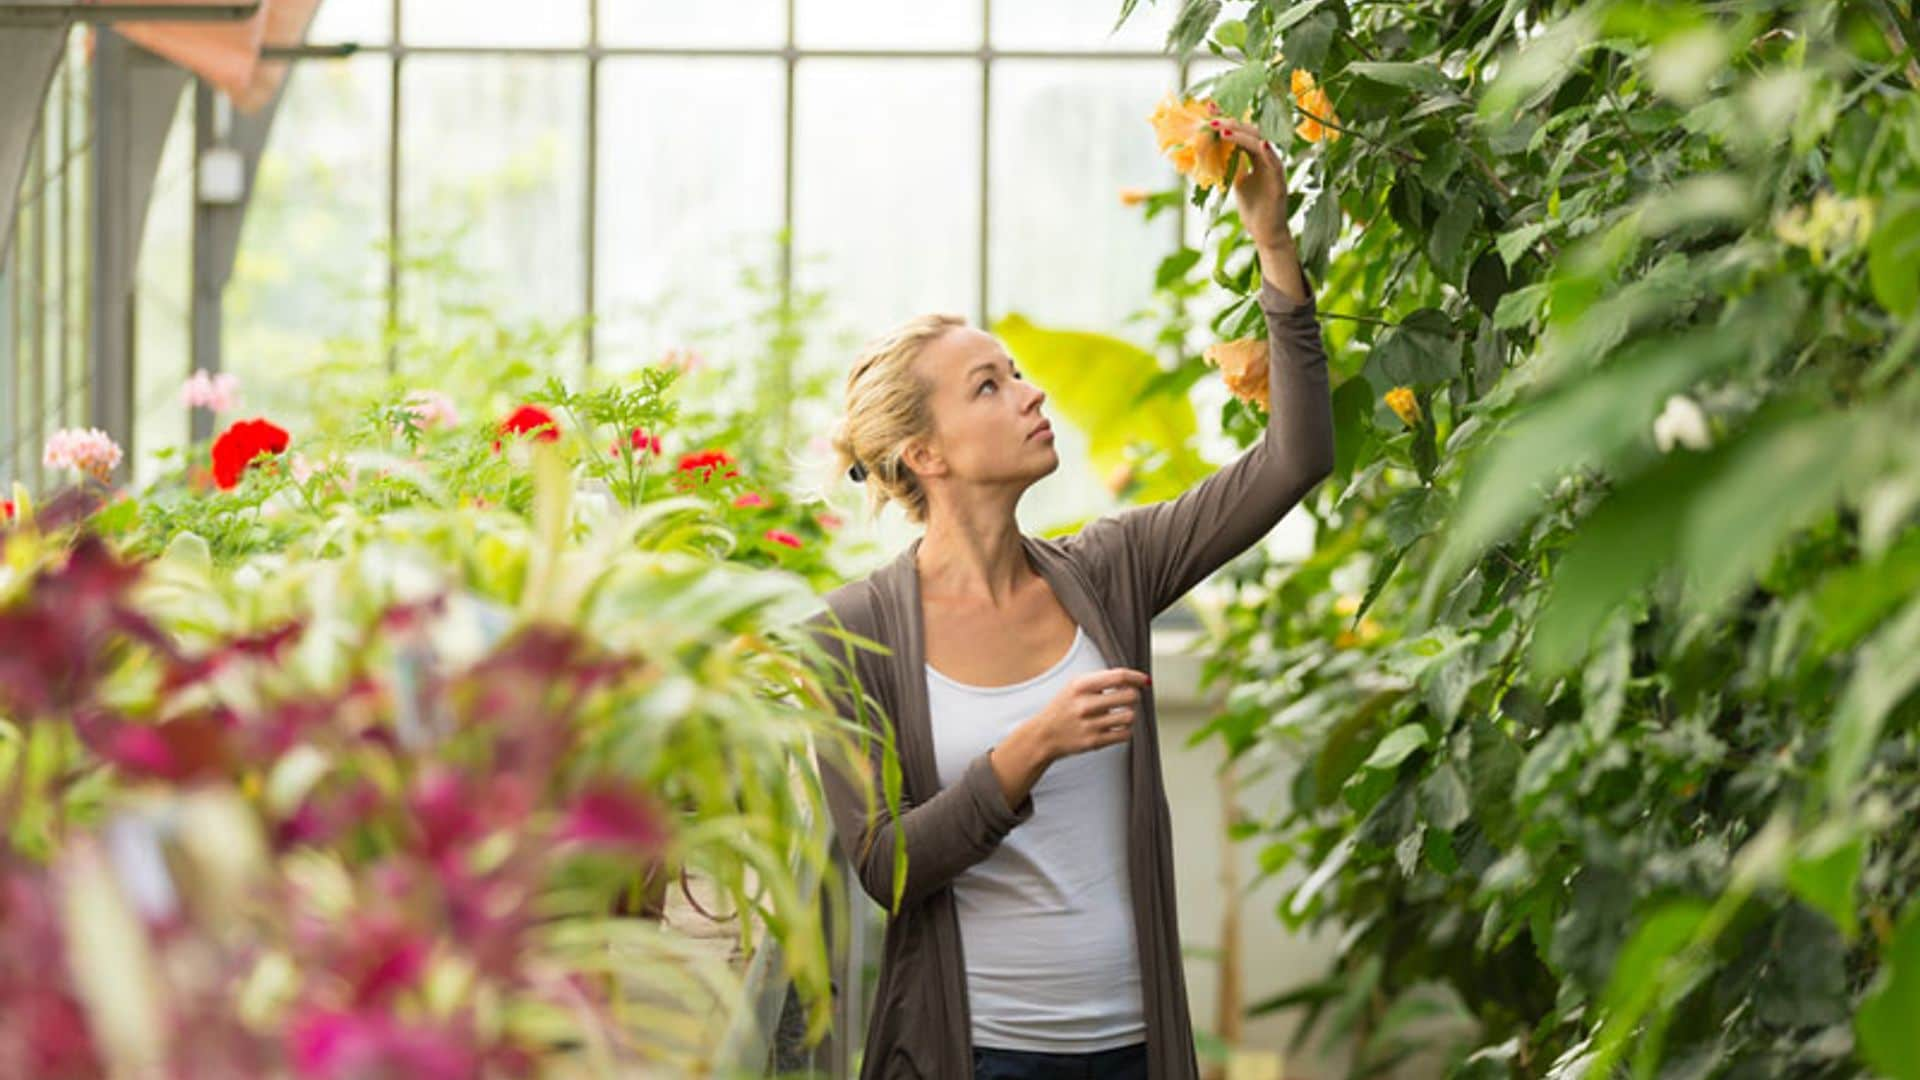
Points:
(987, 424)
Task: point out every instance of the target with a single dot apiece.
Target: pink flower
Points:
(617, 816)
(329, 1043)
(781, 536)
(641, 441)
(89, 450)
(432, 409)
(749, 500)
(444, 808)
(215, 393)
(685, 360)
(828, 521)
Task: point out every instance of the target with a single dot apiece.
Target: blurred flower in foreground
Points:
(1243, 362)
(1681, 423)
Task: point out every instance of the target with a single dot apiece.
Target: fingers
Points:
(1095, 704)
(1107, 730)
(1247, 137)
(1112, 677)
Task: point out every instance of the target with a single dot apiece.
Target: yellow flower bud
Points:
(1401, 400)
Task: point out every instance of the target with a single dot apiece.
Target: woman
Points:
(1036, 934)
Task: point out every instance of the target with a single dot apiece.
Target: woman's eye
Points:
(984, 385)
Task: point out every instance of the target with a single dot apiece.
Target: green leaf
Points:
(1528, 76)
(1764, 488)
(1521, 306)
(1322, 226)
(1446, 244)
(1548, 759)
(1397, 746)
(1885, 1023)
(1421, 351)
(1231, 34)
(1295, 14)
(1893, 255)
(1443, 798)
(1637, 971)
(1517, 242)
(1412, 514)
(1614, 553)
(1307, 43)
(1175, 266)
(1585, 423)
(1603, 685)
(1237, 90)
(1195, 19)
(1411, 76)
(1826, 875)
(1887, 671)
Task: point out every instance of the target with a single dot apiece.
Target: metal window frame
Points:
(110, 396)
(594, 52)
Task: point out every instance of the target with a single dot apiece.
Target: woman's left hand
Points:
(1262, 189)
(1262, 193)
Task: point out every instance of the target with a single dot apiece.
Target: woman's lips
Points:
(1043, 430)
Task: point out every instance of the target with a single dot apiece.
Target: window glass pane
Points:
(674, 23)
(311, 273)
(549, 23)
(884, 24)
(492, 188)
(1082, 24)
(163, 283)
(366, 22)
(887, 187)
(687, 199)
(1068, 138)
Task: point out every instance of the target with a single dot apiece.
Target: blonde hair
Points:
(887, 410)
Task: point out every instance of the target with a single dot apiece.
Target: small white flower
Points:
(1681, 423)
(89, 450)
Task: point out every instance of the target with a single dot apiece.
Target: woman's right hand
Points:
(1093, 711)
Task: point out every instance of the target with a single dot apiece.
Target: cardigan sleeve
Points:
(959, 826)
(1166, 548)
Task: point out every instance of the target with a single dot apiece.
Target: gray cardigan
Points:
(1112, 577)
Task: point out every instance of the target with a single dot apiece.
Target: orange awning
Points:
(227, 54)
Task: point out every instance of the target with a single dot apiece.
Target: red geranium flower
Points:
(750, 500)
(705, 461)
(781, 536)
(240, 444)
(530, 420)
(641, 441)
(6, 508)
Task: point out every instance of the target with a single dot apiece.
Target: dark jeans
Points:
(1125, 1063)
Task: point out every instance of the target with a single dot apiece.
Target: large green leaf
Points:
(1826, 872)
(1588, 422)
(1888, 1022)
(1101, 385)
(1887, 671)
(1893, 256)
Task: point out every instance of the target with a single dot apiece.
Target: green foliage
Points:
(1117, 394)
(1601, 673)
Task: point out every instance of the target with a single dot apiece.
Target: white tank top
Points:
(1046, 921)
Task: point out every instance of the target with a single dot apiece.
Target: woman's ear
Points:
(923, 459)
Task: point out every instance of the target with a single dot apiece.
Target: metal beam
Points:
(28, 59)
(217, 226)
(134, 98)
(51, 13)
